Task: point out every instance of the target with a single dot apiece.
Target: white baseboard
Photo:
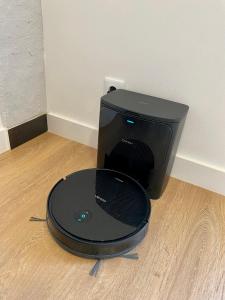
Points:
(185, 168)
(4, 140)
(71, 129)
(198, 173)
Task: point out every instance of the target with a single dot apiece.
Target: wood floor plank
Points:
(182, 256)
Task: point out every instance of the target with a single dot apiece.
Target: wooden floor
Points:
(182, 257)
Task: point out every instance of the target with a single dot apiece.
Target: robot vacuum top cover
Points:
(98, 213)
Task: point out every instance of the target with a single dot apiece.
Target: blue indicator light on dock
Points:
(130, 121)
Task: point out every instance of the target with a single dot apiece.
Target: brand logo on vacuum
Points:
(127, 142)
(100, 198)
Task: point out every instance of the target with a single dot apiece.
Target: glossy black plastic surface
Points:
(146, 106)
(139, 135)
(98, 213)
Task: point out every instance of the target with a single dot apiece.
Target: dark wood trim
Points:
(27, 131)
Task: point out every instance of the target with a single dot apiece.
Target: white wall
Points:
(171, 49)
(22, 88)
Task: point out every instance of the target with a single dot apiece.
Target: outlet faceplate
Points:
(117, 83)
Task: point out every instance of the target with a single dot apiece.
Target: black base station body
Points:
(98, 213)
(139, 136)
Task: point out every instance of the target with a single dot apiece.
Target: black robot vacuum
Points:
(98, 213)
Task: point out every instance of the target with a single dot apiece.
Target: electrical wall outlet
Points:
(110, 82)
